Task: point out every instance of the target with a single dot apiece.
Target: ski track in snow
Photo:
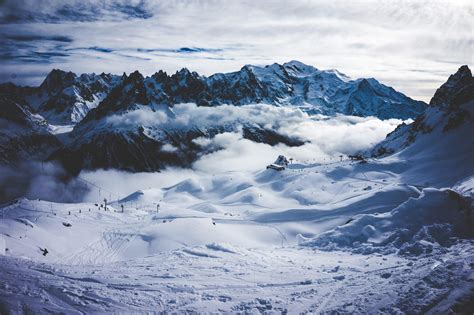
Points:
(283, 279)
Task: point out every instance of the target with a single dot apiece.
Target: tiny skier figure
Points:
(45, 251)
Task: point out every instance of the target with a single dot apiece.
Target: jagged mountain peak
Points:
(184, 75)
(456, 82)
(69, 98)
(65, 98)
(463, 72)
(291, 83)
(160, 76)
(183, 71)
(57, 79)
(449, 116)
(135, 76)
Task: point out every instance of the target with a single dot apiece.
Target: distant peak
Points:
(298, 68)
(135, 76)
(58, 79)
(463, 74)
(183, 71)
(341, 75)
(295, 63)
(247, 67)
(160, 75)
(55, 73)
(455, 83)
(463, 71)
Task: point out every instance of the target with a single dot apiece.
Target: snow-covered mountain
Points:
(23, 135)
(447, 121)
(149, 138)
(108, 110)
(293, 83)
(149, 146)
(434, 153)
(64, 98)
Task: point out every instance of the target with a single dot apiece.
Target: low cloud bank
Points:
(326, 138)
(36, 180)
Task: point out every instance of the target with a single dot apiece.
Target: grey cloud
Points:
(29, 47)
(35, 37)
(55, 11)
(36, 180)
(93, 48)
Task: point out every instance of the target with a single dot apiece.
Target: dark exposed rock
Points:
(449, 109)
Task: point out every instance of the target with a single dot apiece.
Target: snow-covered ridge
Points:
(294, 83)
(291, 85)
(65, 98)
(23, 134)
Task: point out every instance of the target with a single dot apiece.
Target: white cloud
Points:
(325, 137)
(326, 140)
(168, 148)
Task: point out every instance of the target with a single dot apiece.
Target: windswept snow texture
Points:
(418, 226)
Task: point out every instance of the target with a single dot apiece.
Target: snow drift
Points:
(418, 226)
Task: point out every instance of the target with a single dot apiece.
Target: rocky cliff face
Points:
(23, 135)
(451, 109)
(64, 98)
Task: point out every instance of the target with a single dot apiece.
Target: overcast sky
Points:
(410, 45)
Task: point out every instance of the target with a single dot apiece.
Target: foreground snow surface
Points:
(306, 239)
(216, 278)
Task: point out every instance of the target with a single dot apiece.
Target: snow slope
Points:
(437, 151)
(229, 242)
